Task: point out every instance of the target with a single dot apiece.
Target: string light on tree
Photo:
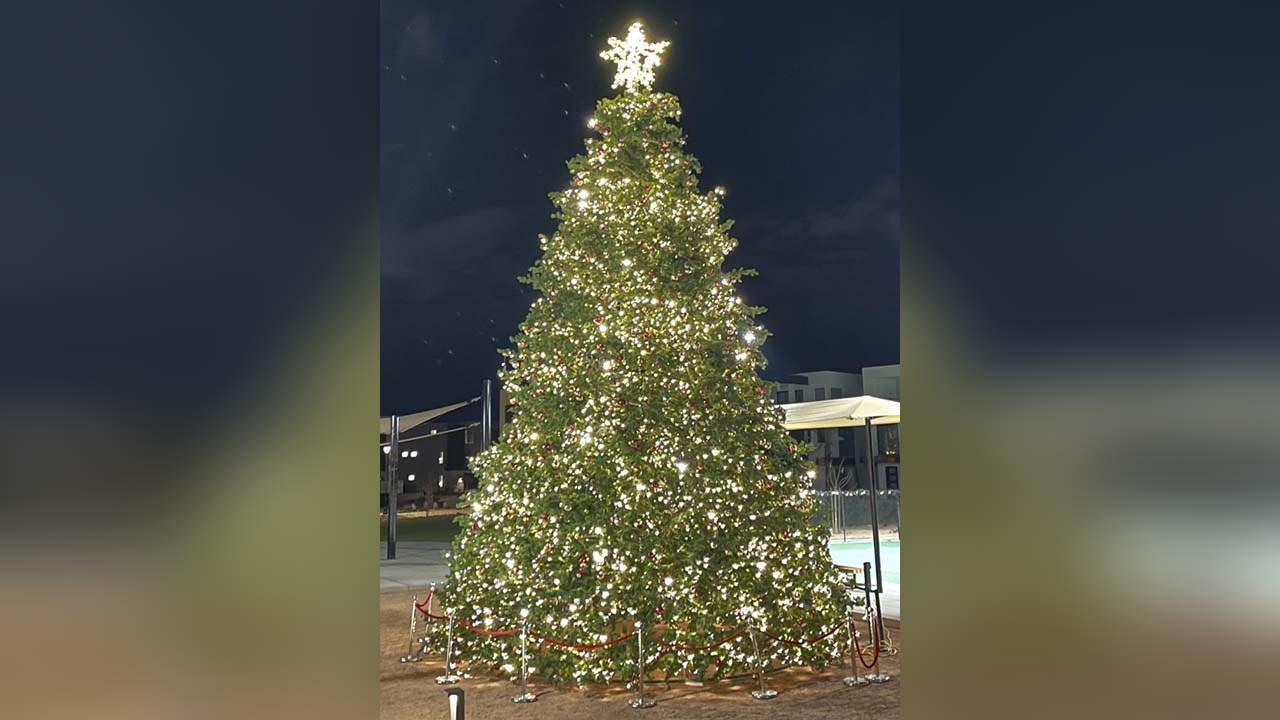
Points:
(644, 475)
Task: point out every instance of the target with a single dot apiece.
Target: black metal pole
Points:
(486, 415)
(393, 459)
(875, 521)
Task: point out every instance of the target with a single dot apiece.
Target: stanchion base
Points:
(447, 680)
(764, 694)
(641, 703)
(879, 678)
(856, 681)
(526, 697)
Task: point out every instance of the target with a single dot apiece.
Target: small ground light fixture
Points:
(457, 711)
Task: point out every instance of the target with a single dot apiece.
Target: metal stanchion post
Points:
(875, 676)
(640, 701)
(448, 678)
(854, 680)
(524, 696)
(763, 693)
(413, 625)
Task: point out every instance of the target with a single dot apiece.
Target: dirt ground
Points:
(408, 690)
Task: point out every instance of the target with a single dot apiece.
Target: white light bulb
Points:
(682, 466)
(749, 336)
(591, 123)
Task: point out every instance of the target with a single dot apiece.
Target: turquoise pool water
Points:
(856, 552)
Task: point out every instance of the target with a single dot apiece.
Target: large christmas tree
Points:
(644, 474)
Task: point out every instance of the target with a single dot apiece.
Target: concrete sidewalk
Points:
(418, 564)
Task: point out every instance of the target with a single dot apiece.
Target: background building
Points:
(840, 455)
(433, 467)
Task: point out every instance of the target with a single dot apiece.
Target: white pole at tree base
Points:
(413, 624)
(640, 701)
(448, 678)
(524, 696)
(764, 693)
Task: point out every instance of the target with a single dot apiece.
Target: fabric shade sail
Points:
(410, 421)
(842, 412)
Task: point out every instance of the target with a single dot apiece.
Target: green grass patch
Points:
(440, 528)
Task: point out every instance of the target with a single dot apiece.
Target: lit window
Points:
(411, 477)
(404, 453)
(413, 453)
(386, 451)
(442, 458)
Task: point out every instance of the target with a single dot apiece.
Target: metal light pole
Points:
(393, 459)
(875, 519)
(486, 415)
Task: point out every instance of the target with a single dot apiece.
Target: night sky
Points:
(793, 107)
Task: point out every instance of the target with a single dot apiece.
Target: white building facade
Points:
(841, 454)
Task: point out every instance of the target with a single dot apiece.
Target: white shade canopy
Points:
(841, 412)
(410, 421)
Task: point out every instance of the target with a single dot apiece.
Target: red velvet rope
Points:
(876, 656)
(425, 604)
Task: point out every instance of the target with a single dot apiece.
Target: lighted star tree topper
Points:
(644, 475)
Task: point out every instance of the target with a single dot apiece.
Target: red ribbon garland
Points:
(424, 606)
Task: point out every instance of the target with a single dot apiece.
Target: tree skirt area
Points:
(408, 690)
